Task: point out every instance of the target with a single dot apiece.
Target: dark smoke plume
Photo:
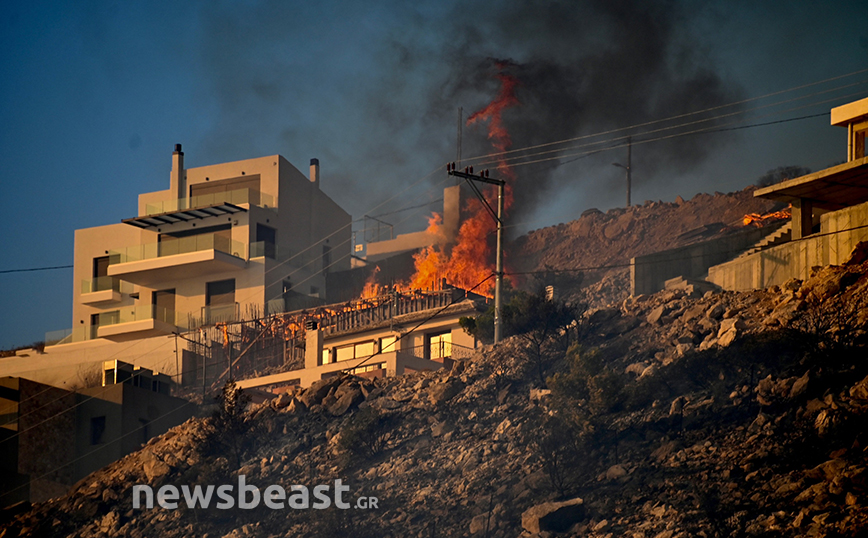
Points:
(583, 68)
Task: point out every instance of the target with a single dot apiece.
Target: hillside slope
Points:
(733, 414)
(598, 239)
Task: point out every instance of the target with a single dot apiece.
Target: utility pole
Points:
(467, 174)
(460, 131)
(629, 167)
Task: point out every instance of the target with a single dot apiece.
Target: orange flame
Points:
(760, 220)
(469, 261)
(372, 288)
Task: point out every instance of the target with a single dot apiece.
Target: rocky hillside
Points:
(567, 252)
(611, 238)
(730, 414)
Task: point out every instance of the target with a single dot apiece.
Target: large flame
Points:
(760, 220)
(469, 261)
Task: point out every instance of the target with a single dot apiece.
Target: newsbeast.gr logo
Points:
(248, 497)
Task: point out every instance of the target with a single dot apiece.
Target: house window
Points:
(97, 430)
(354, 351)
(266, 239)
(388, 344)
(326, 356)
(440, 346)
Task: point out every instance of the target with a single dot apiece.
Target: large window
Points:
(354, 351)
(440, 346)
(220, 300)
(388, 344)
(191, 240)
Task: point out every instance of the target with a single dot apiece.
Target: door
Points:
(101, 281)
(164, 305)
(220, 300)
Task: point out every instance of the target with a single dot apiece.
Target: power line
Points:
(35, 269)
(637, 125)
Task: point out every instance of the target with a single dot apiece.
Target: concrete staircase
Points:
(783, 235)
(694, 286)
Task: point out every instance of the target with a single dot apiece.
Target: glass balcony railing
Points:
(263, 248)
(240, 196)
(128, 314)
(103, 283)
(219, 313)
(68, 336)
(141, 313)
(171, 247)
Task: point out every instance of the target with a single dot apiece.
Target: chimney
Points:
(314, 172)
(178, 179)
(313, 346)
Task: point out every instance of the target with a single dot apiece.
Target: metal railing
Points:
(440, 350)
(171, 247)
(379, 309)
(239, 196)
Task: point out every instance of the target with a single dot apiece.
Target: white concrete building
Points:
(223, 241)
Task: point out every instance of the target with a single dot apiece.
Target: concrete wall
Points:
(66, 365)
(39, 446)
(831, 246)
(133, 415)
(649, 273)
(453, 200)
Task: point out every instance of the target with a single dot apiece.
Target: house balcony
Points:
(103, 290)
(236, 197)
(188, 257)
(141, 321)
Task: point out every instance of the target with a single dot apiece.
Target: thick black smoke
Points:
(387, 115)
(584, 68)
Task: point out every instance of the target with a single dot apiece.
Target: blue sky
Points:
(93, 95)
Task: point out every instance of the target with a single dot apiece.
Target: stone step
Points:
(782, 235)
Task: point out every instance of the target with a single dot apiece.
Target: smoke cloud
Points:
(383, 111)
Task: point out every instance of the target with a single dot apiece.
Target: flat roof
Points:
(837, 187)
(850, 113)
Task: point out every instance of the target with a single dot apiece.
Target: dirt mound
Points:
(612, 238)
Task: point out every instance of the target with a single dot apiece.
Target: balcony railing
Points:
(240, 196)
(172, 247)
(104, 283)
(439, 351)
(68, 336)
(128, 314)
(263, 248)
(219, 313)
(141, 313)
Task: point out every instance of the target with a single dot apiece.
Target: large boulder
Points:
(553, 516)
(319, 389)
(443, 392)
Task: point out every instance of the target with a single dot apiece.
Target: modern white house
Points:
(244, 238)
